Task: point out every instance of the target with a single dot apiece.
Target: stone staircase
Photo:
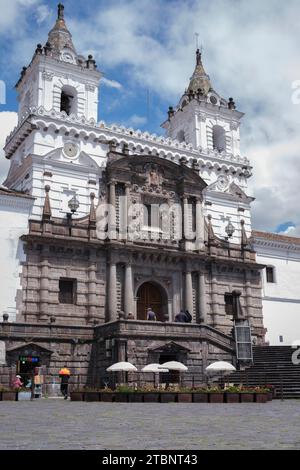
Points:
(272, 365)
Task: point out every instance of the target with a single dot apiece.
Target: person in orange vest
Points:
(64, 375)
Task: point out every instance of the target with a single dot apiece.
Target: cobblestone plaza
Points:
(57, 424)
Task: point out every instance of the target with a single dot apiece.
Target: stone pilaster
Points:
(112, 210)
(128, 290)
(202, 318)
(92, 289)
(199, 225)
(112, 292)
(44, 290)
(189, 292)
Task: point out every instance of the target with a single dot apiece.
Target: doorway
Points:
(150, 295)
(172, 376)
(26, 368)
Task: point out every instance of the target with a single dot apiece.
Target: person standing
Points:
(151, 316)
(64, 375)
(181, 317)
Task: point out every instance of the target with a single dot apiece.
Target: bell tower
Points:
(203, 118)
(58, 78)
(54, 143)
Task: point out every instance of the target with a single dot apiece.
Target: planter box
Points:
(77, 396)
(216, 397)
(135, 397)
(185, 397)
(168, 397)
(232, 397)
(121, 397)
(200, 397)
(9, 396)
(247, 397)
(24, 396)
(151, 397)
(261, 397)
(107, 397)
(91, 396)
(269, 396)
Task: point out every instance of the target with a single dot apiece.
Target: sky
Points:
(146, 50)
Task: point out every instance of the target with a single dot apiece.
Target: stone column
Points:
(199, 225)
(92, 302)
(214, 298)
(248, 296)
(189, 292)
(44, 291)
(186, 225)
(112, 210)
(202, 298)
(112, 292)
(128, 290)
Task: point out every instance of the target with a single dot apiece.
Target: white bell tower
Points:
(203, 118)
(58, 78)
(54, 143)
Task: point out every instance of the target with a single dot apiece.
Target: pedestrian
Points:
(64, 375)
(151, 316)
(181, 317)
(17, 383)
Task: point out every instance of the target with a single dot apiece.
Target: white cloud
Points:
(136, 120)
(111, 83)
(8, 120)
(42, 13)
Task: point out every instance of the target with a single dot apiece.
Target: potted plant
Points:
(185, 395)
(260, 395)
(232, 394)
(122, 392)
(200, 395)
(107, 395)
(271, 392)
(215, 394)
(151, 394)
(91, 394)
(246, 395)
(9, 394)
(77, 395)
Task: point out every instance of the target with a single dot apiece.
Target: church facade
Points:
(111, 221)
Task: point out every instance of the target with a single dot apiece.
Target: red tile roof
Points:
(276, 237)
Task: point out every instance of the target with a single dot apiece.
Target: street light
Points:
(229, 229)
(73, 204)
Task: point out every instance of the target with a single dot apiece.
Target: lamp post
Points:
(229, 229)
(73, 205)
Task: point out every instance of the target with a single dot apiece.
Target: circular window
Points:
(213, 100)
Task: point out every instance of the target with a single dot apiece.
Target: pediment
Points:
(229, 190)
(29, 349)
(161, 170)
(170, 347)
(82, 160)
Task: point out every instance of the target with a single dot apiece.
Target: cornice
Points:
(138, 142)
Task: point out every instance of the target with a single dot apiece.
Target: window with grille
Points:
(229, 304)
(67, 291)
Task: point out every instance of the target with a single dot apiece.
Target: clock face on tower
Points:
(70, 149)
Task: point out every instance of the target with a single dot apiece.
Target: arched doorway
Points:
(150, 295)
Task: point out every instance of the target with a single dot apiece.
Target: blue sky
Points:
(251, 52)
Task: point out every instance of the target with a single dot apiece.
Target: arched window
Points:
(68, 100)
(219, 138)
(181, 136)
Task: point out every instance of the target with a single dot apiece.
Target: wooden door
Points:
(149, 296)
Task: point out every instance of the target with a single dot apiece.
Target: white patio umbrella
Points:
(175, 366)
(122, 367)
(220, 366)
(155, 369)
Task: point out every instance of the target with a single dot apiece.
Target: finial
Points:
(231, 104)
(47, 208)
(198, 57)
(60, 11)
(244, 238)
(92, 216)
